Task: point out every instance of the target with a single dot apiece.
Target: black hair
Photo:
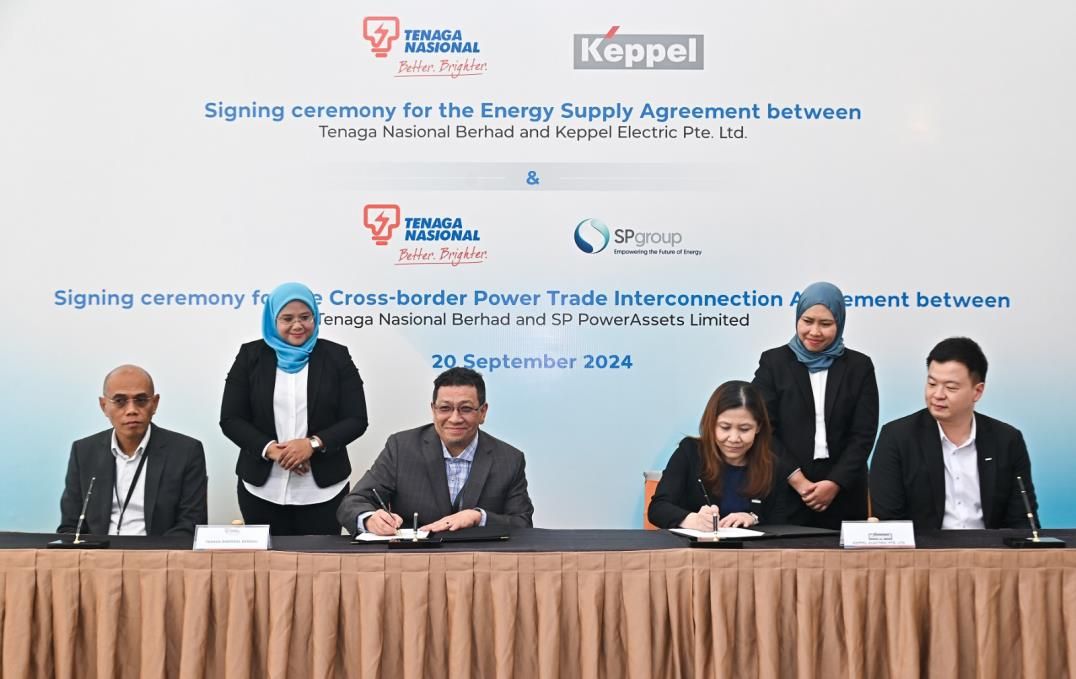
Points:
(963, 350)
(461, 377)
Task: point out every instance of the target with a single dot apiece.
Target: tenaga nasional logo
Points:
(638, 51)
(423, 52)
(593, 236)
(381, 219)
(435, 239)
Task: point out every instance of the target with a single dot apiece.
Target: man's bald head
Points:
(128, 372)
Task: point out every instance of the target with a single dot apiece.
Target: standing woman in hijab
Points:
(292, 403)
(822, 398)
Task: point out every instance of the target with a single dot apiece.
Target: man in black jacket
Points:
(947, 466)
(146, 480)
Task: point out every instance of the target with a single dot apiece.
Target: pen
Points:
(414, 530)
(706, 496)
(384, 506)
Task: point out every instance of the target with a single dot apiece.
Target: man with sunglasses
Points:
(146, 480)
(449, 472)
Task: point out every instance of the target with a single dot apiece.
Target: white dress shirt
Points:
(818, 389)
(134, 519)
(963, 502)
(289, 415)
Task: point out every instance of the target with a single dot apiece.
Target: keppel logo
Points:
(647, 52)
(591, 236)
(381, 219)
(381, 32)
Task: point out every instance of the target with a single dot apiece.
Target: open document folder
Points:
(730, 533)
(402, 534)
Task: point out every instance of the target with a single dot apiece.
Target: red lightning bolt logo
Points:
(381, 34)
(382, 223)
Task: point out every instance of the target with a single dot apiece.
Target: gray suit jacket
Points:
(175, 484)
(409, 474)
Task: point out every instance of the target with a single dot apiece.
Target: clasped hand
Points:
(292, 455)
(817, 496)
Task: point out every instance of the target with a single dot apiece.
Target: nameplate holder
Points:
(877, 535)
(232, 537)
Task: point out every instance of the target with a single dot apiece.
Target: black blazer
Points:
(175, 484)
(908, 474)
(851, 411)
(678, 493)
(409, 474)
(335, 407)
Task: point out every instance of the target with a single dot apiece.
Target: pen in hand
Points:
(385, 507)
(706, 497)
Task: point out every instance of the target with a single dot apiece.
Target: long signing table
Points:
(555, 604)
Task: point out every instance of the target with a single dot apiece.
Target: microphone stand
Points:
(79, 542)
(1035, 541)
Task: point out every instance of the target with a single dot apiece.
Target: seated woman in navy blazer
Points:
(822, 398)
(727, 472)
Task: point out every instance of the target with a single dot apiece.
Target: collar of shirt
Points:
(949, 445)
(120, 455)
(467, 454)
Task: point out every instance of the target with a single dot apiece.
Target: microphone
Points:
(79, 542)
(82, 516)
(1027, 506)
(1034, 540)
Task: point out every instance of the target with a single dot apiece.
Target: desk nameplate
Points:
(232, 537)
(877, 534)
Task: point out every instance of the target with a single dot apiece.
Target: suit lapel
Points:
(987, 462)
(100, 510)
(834, 380)
(930, 447)
(266, 385)
(480, 466)
(802, 378)
(315, 368)
(435, 469)
(156, 459)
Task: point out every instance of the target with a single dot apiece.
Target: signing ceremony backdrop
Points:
(606, 208)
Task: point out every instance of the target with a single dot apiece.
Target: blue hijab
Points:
(289, 358)
(829, 296)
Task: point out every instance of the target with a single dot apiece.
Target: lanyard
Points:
(130, 490)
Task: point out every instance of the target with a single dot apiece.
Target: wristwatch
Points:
(315, 443)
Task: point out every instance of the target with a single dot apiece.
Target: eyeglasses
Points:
(464, 410)
(305, 319)
(140, 401)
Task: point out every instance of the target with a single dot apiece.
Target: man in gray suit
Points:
(147, 480)
(453, 475)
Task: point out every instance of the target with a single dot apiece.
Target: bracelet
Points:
(755, 517)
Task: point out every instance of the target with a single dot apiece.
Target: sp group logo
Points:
(423, 52)
(592, 236)
(426, 240)
(638, 52)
